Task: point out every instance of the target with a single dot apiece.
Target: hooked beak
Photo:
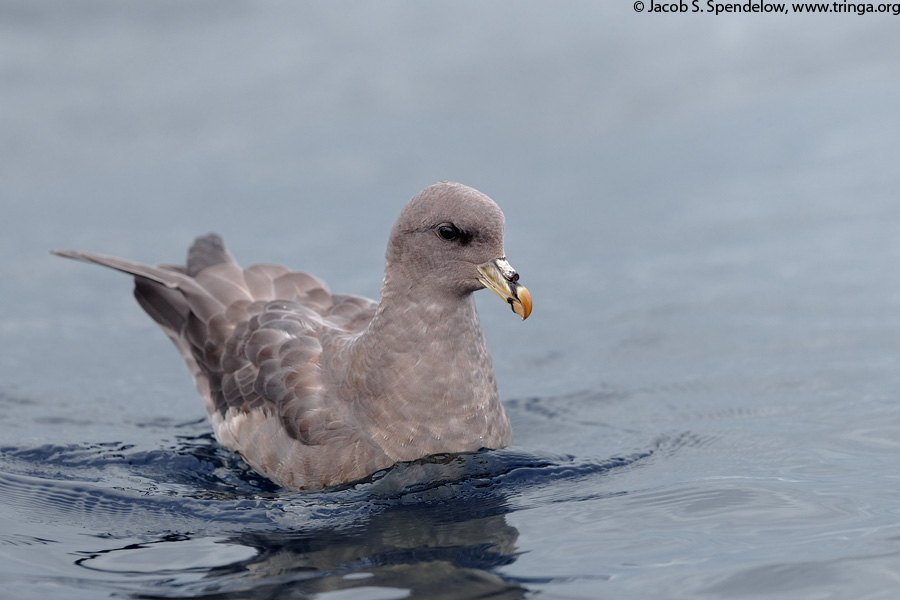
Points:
(498, 276)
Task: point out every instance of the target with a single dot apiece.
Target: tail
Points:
(161, 290)
(207, 251)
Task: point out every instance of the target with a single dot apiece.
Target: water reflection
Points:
(423, 548)
(427, 549)
(191, 520)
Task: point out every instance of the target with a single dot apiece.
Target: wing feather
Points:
(253, 339)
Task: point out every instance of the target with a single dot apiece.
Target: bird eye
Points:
(448, 232)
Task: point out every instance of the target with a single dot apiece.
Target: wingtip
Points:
(65, 253)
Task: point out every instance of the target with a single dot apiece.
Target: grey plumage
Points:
(312, 388)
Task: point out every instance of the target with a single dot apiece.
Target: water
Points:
(704, 208)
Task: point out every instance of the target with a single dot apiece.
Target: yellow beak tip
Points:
(523, 306)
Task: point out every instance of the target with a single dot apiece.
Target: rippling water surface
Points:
(704, 401)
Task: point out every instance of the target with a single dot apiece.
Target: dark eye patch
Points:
(452, 233)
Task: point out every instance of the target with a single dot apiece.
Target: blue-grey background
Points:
(705, 209)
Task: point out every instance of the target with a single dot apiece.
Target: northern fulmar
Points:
(314, 389)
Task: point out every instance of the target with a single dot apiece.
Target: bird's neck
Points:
(426, 356)
(412, 326)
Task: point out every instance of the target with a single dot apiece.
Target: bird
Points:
(314, 389)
